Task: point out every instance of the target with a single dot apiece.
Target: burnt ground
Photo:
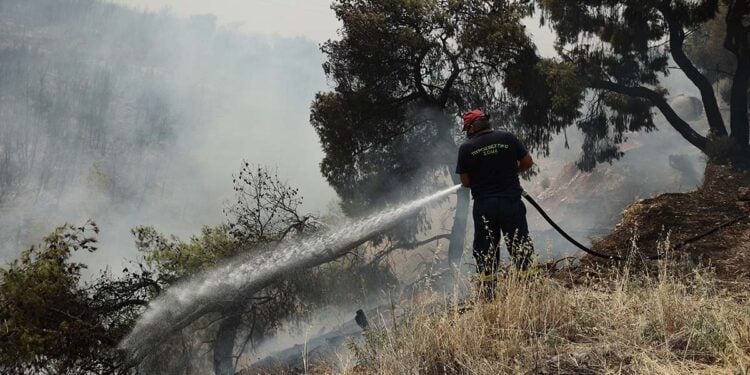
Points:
(722, 198)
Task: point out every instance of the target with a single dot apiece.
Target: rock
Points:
(361, 320)
(688, 107)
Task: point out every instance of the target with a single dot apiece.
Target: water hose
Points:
(618, 258)
(563, 233)
(711, 231)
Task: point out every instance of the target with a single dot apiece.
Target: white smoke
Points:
(183, 102)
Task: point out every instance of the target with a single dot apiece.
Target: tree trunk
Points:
(710, 104)
(737, 42)
(460, 218)
(738, 112)
(449, 149)
(224, 344)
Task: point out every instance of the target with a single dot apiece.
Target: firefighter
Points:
(489, 162)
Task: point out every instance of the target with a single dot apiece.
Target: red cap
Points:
(472, 116)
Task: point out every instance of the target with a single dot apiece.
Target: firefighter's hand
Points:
(465, 180)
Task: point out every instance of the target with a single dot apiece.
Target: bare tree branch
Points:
(657, 100)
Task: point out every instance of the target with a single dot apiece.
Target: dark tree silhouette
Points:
(622, 49)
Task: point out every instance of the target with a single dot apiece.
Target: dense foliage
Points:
(54, 323)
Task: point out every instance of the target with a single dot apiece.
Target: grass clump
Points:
(674, 320)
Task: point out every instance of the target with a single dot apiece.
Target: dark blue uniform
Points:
(491, 157)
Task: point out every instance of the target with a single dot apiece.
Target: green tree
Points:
(403, 73)
(223, 322)
(228, 329)
(265, 211)
(621, 50)
(54, 323)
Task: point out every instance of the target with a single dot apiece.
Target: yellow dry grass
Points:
(675, 321)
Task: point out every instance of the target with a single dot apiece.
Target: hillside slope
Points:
(681, 216)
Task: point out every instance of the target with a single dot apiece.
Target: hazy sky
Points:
(310, 18)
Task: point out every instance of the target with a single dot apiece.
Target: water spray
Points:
(180, 305)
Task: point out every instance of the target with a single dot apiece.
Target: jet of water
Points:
(181, 304)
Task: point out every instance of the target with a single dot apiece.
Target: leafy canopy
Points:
(405, 70)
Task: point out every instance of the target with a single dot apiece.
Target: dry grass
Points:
(676, 321)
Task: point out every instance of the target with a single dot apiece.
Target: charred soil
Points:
(673, 218)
